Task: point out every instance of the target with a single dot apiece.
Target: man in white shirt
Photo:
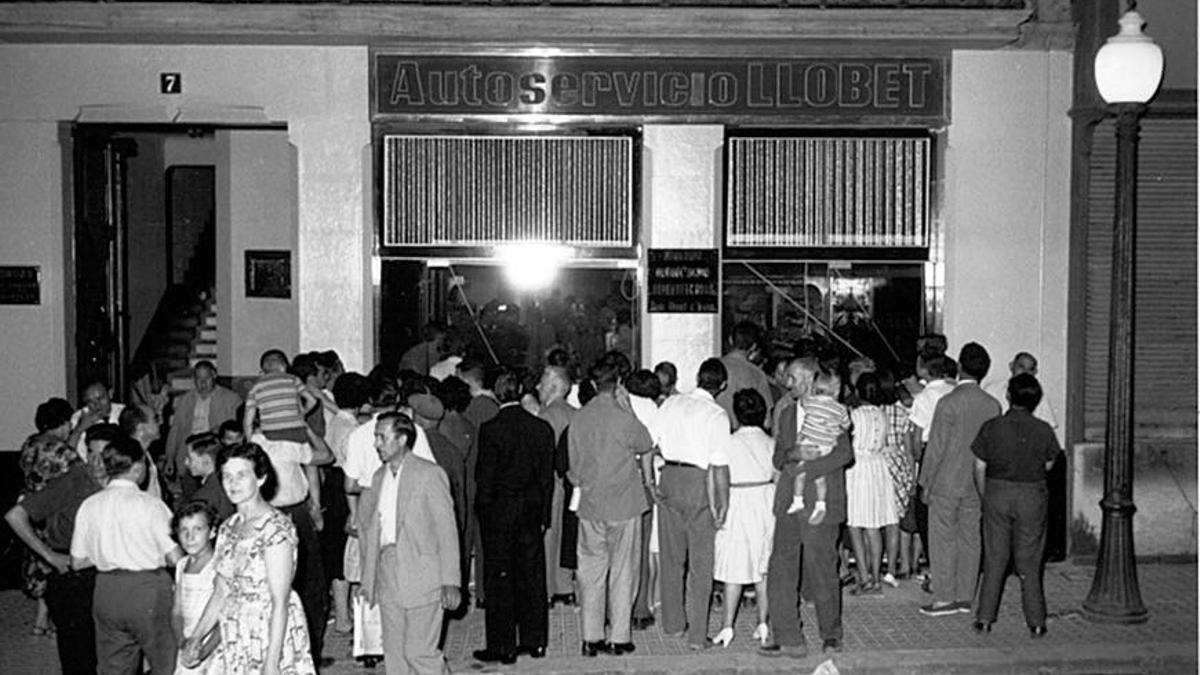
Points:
(693, 433)
(934, 372)
(126, 534)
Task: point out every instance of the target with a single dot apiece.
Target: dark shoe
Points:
(594, 648)
(619, 648)
(489, 656)
(831, 645)
(940, 609)
(535, 652)
(370, 661)
(799, 651)
(1037, 632)
(325, 662)
(982, 626)
(642, 623)
(770, 649)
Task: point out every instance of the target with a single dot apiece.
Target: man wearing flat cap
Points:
(427, 413)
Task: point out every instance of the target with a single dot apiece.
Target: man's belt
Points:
(685, 465)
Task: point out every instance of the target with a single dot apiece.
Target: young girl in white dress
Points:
(196, 529)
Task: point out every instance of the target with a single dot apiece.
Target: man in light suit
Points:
(409, 547)
(201, 410)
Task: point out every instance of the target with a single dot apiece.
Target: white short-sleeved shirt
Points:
(691, 428)
(925, 402)
(123, 528)
(362, 460)
(289, 459)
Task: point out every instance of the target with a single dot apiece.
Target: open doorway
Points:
(143, 250)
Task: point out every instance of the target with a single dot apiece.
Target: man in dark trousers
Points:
(514, 477)
(1013, 453)
(795, 539)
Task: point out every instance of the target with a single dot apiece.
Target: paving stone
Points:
(882, 634)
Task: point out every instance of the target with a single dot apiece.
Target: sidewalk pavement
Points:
(882, 635)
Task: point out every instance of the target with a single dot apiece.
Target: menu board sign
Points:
(683, 281)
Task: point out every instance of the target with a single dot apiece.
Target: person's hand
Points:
(350, 528)
(451, 597)
(61, 562)
(89, 418)
(718, 518)
(367, 595)
(318, 518)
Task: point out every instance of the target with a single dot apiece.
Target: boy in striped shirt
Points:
(280, 400)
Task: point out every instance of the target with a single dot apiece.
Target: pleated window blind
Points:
(447, 191)
(854, 191)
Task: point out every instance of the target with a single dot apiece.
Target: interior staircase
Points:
(183, 330)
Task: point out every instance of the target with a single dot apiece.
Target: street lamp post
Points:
(1128, 71)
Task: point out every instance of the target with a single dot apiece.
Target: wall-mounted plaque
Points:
(683, 280)
(268, 274)
(20, 285)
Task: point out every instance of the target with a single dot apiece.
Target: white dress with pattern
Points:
(870, 501)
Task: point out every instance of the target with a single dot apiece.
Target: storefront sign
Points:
(20, 285)
(683, 280)
(407, 84)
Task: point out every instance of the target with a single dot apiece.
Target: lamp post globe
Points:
(1128, 73)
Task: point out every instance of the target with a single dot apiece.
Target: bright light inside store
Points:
(530, 267)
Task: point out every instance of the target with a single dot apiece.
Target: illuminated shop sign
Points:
(591, 85)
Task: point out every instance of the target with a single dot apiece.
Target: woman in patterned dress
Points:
(44, 456)
(261, 621)
(870, 500)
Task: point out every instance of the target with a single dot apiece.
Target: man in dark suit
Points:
(409, 550)
(201, 410)
(796, 539)
(514, 477)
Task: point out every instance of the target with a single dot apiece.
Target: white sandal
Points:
(762, 634)
(724, 637)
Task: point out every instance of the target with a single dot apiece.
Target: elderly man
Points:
(796, 539)
(693, 434)
(201, 410)
(947, 481)
(606, 442)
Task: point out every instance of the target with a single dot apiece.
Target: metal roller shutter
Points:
(1165, 339)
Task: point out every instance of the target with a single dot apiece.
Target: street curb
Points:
(1090, 658)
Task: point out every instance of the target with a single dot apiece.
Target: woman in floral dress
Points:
(261, 622)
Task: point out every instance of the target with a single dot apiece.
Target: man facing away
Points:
(743, 374)
(947, 479)
(126, 534)
(694, 436)
(606, 442)
(409, 549)
(515, 474)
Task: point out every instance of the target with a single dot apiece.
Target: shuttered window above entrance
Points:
(822, 192)
(477, 191)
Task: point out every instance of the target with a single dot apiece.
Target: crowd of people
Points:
(396, 500)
